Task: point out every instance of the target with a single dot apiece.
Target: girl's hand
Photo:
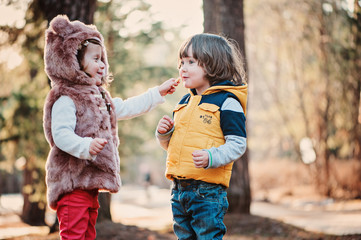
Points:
(97, 145)
(165, 125)
(200, 159)
(168, 87)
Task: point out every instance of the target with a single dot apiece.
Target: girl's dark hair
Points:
(219, 57)
(80, 56)
(82, 49)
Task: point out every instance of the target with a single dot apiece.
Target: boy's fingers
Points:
(198, 165)
(162, 128)
(167, 118)
(197, 159)
(167, 124)
(197, 153)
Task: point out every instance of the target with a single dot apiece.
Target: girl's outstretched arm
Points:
(138, 105)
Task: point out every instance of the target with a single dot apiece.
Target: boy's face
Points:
(192, 74)
(92, 63)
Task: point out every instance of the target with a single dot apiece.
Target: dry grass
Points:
(274, 180)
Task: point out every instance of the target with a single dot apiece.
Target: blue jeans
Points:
(198, 210)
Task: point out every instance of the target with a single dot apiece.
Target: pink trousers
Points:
(77, 214)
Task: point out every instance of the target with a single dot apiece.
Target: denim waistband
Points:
(190, 183)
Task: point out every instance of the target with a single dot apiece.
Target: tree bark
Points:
(75, 10)
(323, 121)
(104, 210)
(227, 18)
(356, 80)
(33, 211)
(356, 30)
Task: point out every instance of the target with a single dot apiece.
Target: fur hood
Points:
(62, 40)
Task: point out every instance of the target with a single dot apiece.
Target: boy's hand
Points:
(97, 145)
(200, 159)
(165, 125)
(168, 87)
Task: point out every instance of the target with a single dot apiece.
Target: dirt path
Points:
(336, 222)
(150, 212)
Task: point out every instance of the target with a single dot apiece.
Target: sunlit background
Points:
(187, 16)
(302, 103)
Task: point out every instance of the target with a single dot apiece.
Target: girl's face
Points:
(192, 74)
(92, 63)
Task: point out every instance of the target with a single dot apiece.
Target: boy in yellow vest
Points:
(207, 135)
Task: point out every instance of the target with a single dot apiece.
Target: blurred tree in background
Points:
(307, 84)
(227, 18)
(23, 93)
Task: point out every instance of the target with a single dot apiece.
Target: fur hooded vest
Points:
(64, 173)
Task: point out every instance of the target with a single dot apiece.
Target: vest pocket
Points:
(179, 107)
(177, 113)
(209, 107)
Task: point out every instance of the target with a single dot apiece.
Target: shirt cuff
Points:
(210, 158)
(164, 135)
(90, 157)
(156, 94)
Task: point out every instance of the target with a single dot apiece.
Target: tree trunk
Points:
(75, 10)
(356, 79)
(33, 211)
(324, 110)
(226, 18)
(104, 210)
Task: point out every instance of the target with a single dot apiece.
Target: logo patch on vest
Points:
(206, 118)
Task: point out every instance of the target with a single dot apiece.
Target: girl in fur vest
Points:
(80, 124)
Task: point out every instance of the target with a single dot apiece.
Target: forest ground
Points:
(292, 210)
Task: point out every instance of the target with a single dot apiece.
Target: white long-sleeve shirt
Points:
(63, 120)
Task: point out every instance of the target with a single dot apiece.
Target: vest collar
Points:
(239, 91)
(224, 83)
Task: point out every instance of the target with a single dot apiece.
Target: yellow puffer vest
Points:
(197, 126)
